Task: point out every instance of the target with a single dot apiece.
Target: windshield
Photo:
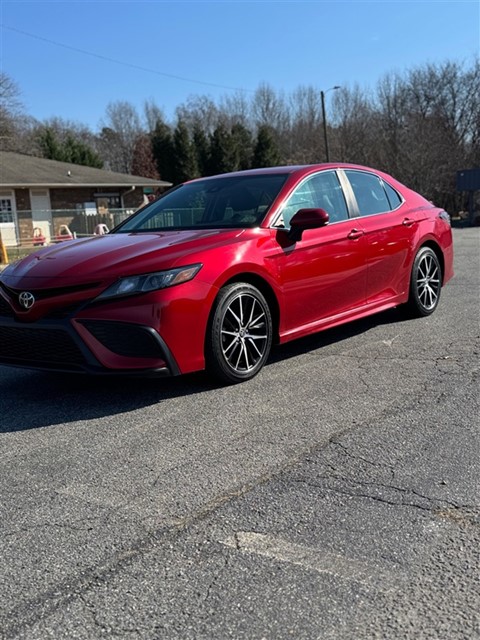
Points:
(233, 202)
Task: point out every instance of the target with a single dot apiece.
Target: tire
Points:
(239, 336)
(425, 284)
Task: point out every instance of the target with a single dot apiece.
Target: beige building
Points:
(42, 195)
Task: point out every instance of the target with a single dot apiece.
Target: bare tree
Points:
(435, 122)
(152, 115)
(119, 135)
(235, 109)
(11, 113)
(305, 132)
(199, 111)
(269, 108)
(392, 121)
(353, 117)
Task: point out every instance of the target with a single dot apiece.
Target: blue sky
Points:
(235, 44)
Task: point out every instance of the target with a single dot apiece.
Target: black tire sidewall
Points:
(215, 360)
(415, 304)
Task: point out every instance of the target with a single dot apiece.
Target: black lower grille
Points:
(5, 309)
(38, 346)
(125, 339)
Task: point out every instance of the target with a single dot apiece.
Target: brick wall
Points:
(22, 199)
(69, 198)
(64, 203)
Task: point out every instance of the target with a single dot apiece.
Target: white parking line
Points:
(314, 559)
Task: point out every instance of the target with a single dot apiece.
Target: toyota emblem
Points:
(26, 299)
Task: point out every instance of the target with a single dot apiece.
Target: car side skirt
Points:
(341, 318)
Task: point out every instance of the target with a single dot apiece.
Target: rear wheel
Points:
(425, 283)
(240, 333)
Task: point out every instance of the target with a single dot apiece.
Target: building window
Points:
(6, 209)
(107, 201)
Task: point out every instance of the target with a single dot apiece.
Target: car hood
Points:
(114, 255)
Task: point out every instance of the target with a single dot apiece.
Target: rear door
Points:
(389, 232)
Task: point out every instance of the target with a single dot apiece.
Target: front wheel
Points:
(240, 333)
(425, 283)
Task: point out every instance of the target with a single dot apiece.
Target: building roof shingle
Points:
(19, 170)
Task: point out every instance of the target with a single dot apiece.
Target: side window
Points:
(369, 192)
(302, 198)
(393, 197)
(320, 191)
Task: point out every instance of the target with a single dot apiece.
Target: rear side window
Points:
(369, 192)
(393, 197)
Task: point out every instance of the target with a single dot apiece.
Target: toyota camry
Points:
(217, 270)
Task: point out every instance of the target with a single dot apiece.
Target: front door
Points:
(323, 275)
(41, 211)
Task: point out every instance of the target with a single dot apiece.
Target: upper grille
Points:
(63, 312)
(42, 294)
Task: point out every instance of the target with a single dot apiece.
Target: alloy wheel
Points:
(244, 335)
(240, 334)
(428, 281)
(425, 284)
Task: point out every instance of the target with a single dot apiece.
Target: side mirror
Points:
(307, 219)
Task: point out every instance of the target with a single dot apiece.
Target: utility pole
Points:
(325, 136)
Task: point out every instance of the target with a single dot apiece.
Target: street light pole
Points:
(322, 96)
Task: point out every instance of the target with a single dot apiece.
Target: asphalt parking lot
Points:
(336, 495)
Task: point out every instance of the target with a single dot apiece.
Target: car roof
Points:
(302, 169)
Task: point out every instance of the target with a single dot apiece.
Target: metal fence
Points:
(56, 225)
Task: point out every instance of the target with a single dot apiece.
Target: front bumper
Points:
(160, 333)
(58, 346)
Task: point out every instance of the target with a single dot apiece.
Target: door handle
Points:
(408, 222)
(355, 233)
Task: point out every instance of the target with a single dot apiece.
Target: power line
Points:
(124, 64)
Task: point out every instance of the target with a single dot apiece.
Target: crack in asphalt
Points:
(352, 456)
(66, 591)
(433, 504)
(53, 525)
(215, 578)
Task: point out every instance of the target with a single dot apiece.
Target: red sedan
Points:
(216, 270)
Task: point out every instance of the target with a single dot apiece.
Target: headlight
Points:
(132, 285)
